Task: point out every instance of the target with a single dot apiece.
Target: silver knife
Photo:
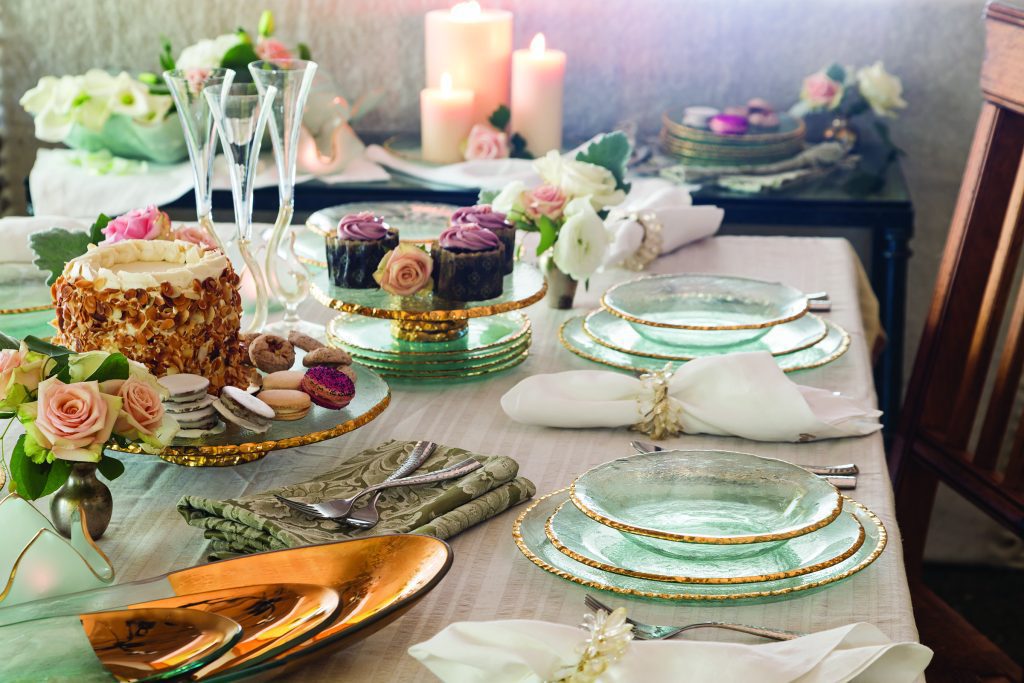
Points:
(849, 470)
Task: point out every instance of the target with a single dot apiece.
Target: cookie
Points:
(328, 387)
(271, 353)
(182, 407)
(326, 356)
(184, 387)
(285, 379)
(304, 341)
(244, 410)
(288, 404)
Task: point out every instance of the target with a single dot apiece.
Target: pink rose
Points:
(73, 421)
(141, 407)
(546, 200)
(405, 270)
(485, 142)
(196, 77)
(270, 50)
(140, 224)
(195, 235)
(821, 91)
(18, 368)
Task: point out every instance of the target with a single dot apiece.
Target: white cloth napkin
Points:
(15, 231)
(488, 174)
(681, 222)
(518, 651)
(738, 394)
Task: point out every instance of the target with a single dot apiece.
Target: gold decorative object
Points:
(650, 247)
(661, 416)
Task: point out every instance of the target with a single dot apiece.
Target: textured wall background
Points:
(627, 59)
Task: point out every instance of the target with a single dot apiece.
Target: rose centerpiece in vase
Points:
(568, 211)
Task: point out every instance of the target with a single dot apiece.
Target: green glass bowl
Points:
(703, 310)
(715, 497)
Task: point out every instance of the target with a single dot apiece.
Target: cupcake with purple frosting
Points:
(487, 218)
(468, 264)
(354, 251)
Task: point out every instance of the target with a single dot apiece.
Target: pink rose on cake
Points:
(72, 421)
(194, 235)
(485, 142)
(405, 270)
(141, 224)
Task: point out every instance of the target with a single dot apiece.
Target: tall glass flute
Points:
(287, 278)
(241, 114)
(187, 86)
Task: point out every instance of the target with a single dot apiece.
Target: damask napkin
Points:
(738, 394)
(518, 651)
(260, 522)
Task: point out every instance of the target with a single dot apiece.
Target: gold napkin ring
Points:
(662, 417)
(650, 247)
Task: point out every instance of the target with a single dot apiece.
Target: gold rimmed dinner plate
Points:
(506, 364)
(443, 364)
(602, 547)
(273, 617)
(617, 334)
(529, 534)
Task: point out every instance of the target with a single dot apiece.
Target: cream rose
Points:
(73, 421)
(582, 240)
(20, 373)
(207, 54)
(405, 270)
(882, 90)
(579, 179)
(546, 200)
(510, 199)
(141, 408)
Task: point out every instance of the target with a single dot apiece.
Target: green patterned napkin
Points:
(258, 523)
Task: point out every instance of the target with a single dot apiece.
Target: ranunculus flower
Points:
(20, 373)
(141, 408)
(582, 240)
(195, 235)
(405, 270)
(821, 92)
(510, 200)
(546, 200)
(485, 142)
(207, 54)
(882, 90)
(271, 50)
(140, 224)
(73, 421)
(580, 179)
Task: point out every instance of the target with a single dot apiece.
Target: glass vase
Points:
(187, 86)
(287, 277)
(240, 113)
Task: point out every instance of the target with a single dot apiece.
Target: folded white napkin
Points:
(489, 174)
(15, 231)
(518, 651)
(672, 205)
(738, 394)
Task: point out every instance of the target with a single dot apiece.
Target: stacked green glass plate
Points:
(700, 146)
(25, 304)
(700, 526)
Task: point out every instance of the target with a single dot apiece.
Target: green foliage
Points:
(110, 468)
(517, 147)
(58, 363)
(548, 234)
(500, 118)
(34, 480)
(610, 151)
(836, 72)
(166, 57)
(304, 52)
(239, 57)
(96, 229)
(266, 25)
(486, 196)
(8, 342)
(56, 246)
(115, 366)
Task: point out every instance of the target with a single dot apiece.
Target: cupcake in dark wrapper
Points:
(468, 264)
(482, 215)
(354, 252)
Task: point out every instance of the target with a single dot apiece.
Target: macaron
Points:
(328, 387)
(326, 356)
(184, 387)
(288, 404)
(243, 409)
(285, 379)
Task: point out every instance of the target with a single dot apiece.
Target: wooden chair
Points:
(956, 416)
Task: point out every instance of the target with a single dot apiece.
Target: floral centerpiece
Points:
(568, 209)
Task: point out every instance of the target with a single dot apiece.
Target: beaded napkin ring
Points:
(661, 416)
(650, 247)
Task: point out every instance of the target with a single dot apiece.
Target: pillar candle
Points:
(475, 46)
(446, 115)
(538, 82)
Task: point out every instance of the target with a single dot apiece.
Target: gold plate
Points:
(235, 445)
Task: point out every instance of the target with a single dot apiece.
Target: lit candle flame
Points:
(446, 82)
(537, 45)
(466, 10)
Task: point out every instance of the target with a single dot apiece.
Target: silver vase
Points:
(561, 287)
(83, 489)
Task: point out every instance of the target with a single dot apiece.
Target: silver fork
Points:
(850, 469)
(336, 509)
(642, 631)
(368, 516)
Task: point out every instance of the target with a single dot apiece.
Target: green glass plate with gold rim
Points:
(602, 547)
(508, 361)
(530, 536)
(706, 496)
(372, 338)
(415, 221)
(418, 364)
(616, 333)
(574, 338)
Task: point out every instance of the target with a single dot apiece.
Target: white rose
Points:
(509, 200)
(579, 179)
(882, 90)
(206, 54)
(51, 103)
(582, 240)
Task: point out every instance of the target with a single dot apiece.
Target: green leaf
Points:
(8, 342)
(517, 147)
(166, 57)
(548, 234)
(55, 247)
(7, 416)
(266, 25)
(239, 57)
(46, 348)
(304, 52)
(110, 468)
(34, 480)
(486, 196)
(500, 117)
(610, 151)
(96, 229)
(836, 72)
(115, 366)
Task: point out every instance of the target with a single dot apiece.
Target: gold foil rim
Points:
(525, 328)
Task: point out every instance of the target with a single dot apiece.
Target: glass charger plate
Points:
(528, 531)
(616, 333)
(601, 547)
(418, 364)
(372, 338)
(236, 445)
(574, 338)
(706, 496)
(523, 287)
(415, 221)
(23, 291)
(506, 363)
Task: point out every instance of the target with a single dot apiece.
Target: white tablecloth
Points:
(490, 579)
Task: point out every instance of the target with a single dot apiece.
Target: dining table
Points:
(490, 578)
